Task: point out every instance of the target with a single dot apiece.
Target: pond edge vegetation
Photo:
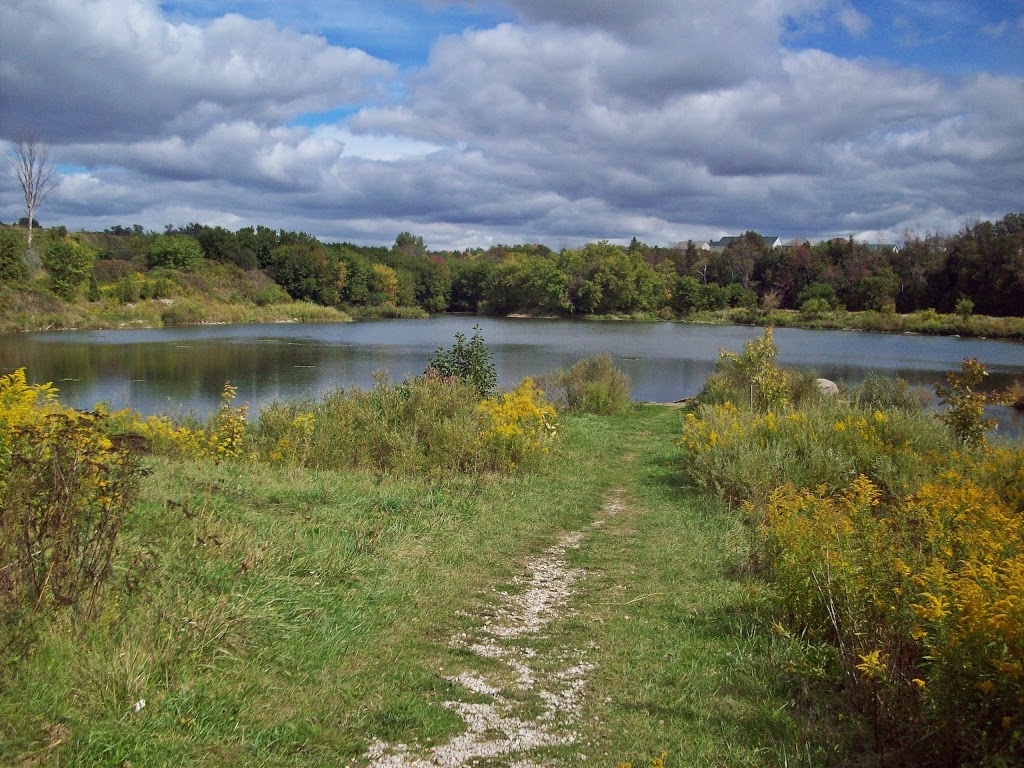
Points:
(967, 284)
(888, 544)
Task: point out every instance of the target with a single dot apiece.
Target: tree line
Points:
(980, 269)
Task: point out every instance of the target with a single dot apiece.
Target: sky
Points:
(478, 122)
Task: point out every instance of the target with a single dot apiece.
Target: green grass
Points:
(282, 616)
(925, 322)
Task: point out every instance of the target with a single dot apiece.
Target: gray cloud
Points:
(660, 119)
(116, 69)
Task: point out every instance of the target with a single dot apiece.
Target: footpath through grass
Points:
(281, 616)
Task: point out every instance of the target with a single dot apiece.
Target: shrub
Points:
(428, 424)
(921, 597)
(901, 554)
(744, 457)
(12, 246)
(594, 385)
(183, 313)
(65, 488)
(222, 437)
(753, 376)
(520, 426)
(471, 362)
(882, 392)
(174, 252)
(68, 264)
(966, 406)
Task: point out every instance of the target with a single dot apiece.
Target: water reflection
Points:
(183, 370)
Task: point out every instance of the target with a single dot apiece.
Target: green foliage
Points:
(12, 246)
(137, 287)
(885, 393)
(94, 288)
(964, 307)
(818, 291)
(965, 406)
(756, 372)
(891, 549)
(594, 385)
(687, 295)
(471, 362)
(744, 457)
(174, 252)
(68, 263)
(814, 307)
(429, 424)
(304, 270)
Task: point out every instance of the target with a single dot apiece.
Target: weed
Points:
(594, 385)
(965, 405)
(65, 488)
(472, 362)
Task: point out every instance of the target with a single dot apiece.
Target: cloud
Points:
(854, 22)
(116, 69)
(575, 121)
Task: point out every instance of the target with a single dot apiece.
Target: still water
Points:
(179, 370)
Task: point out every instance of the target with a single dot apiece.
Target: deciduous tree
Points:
(35, 173)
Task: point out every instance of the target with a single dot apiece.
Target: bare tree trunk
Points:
(34, 171)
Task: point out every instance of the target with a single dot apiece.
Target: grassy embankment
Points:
(271, 607)
(218, 294)
(927, 322)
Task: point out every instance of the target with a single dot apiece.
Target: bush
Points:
(174, 252)
(222, 437)
(12, 246)
(183, 312)
(65, 488)
(594, 385)
(520, 426)
(69, 264)
(887, 545)
(752, 377)
(471, 362)
(921, 597)
(743, 457)
(427, 424)
(878, 392)
(966, 406)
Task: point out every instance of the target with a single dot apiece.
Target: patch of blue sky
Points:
(947, 37)
(327, 117)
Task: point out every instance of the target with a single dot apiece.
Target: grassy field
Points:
(286, 616)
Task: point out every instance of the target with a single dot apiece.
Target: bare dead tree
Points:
(34, 171)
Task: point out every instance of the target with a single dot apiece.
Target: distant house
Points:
(797, 242)
(882, 248)
(717, 246)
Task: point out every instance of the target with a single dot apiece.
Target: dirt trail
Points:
(534, 699)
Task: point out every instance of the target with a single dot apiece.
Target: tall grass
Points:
(594, 385)
(895, 543)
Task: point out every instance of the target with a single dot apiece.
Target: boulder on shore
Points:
(827, 387)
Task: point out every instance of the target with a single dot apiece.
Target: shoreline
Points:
(192, 312)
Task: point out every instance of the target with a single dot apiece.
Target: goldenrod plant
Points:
(897, 543)
(65, 487)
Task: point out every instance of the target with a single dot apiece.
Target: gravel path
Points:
(549, 685)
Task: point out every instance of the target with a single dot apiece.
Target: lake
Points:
(178, 370)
